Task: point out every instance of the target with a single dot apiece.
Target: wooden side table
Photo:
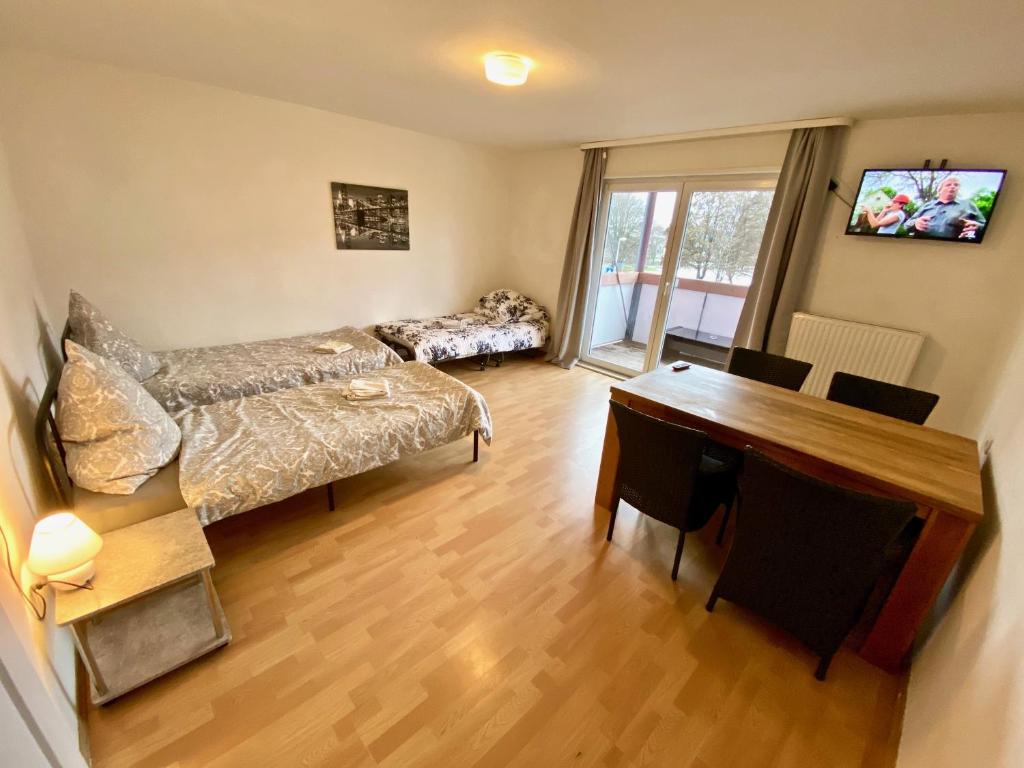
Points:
(152, 608)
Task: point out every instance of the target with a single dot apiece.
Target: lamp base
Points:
(75, 578)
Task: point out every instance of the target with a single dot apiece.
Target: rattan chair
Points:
(913, 405)
(663, 472)
(807, 554)
(771, 369)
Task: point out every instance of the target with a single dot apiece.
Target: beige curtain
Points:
(794, 223)
(567, 326)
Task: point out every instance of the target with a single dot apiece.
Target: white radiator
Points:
(886, 354)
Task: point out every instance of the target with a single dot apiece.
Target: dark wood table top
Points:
(933, 468)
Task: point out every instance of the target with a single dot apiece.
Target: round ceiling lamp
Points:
(506, 68)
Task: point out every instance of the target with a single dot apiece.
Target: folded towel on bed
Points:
(332, 347)
(367, 389)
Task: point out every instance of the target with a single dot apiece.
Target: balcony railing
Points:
(701, 311)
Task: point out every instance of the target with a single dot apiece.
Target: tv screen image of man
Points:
(947, 217)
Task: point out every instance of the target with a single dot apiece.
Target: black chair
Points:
(780, 371)
(913, 405)
(807, 554)
(771, 369)
(663, 472)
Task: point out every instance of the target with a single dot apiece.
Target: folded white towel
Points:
(367, 389)
(332, 347)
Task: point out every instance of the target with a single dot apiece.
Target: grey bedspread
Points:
(203, 375)
(240, 454)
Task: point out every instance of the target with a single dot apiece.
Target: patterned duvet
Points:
(203, 375)
(436, 339)
(240, 454)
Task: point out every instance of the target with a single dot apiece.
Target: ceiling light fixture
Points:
(507, 68)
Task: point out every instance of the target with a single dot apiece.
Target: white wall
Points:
(38, 657)
(965, 704)
(196, 215)
(965, 298)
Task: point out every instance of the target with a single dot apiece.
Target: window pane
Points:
(632, 258)
(721, 239)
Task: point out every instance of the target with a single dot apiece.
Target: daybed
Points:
(503, 321)
(182, 378)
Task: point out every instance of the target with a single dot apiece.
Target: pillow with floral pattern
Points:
(91, 329)
(508, 306)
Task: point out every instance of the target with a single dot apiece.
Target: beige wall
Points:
(965, 298)
(965, 705)
(196, 215)
(543, 190)
(544, 185)
(38, 657)
(764, 151)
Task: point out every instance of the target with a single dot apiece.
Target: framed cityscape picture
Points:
(370, 218)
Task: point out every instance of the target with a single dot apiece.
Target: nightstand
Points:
(152, 608)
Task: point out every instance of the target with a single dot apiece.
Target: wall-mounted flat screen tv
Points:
(926, 204)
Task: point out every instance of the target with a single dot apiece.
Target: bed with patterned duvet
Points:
(245, 453)
(502, 321)
(184, 378)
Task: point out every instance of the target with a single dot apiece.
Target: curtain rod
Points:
(738, 130)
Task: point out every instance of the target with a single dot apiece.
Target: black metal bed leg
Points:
(330, 497)
(823, 665)
(476, 445)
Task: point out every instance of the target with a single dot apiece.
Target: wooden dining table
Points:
(938, 471)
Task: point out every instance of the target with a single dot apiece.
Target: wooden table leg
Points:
(81, 637)
(936, 552)
(211, 598)
(609, 464)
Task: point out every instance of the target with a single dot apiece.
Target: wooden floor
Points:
(451, 614)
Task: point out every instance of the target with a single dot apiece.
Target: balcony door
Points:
(673, 264)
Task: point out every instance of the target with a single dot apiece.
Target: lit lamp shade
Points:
(63, 550)
(506, 68)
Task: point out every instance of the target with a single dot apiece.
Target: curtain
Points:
(567, 327)
(794, 223)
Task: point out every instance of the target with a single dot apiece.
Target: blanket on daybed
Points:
(465, 334)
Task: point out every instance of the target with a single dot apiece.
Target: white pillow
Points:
(116, 436)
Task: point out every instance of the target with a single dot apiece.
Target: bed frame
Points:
(51, 446)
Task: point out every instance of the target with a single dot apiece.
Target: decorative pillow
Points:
(116, 436)
(506, 306)
(92, 329)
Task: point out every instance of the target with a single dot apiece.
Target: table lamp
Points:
(63, 549)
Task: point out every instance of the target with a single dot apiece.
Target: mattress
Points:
(435, 339)
(204, 375)
(240, 454)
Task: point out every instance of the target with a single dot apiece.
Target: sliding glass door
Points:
(673, 263)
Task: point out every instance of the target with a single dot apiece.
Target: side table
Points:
(152, 607)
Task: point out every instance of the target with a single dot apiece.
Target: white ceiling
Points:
(604, 69)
